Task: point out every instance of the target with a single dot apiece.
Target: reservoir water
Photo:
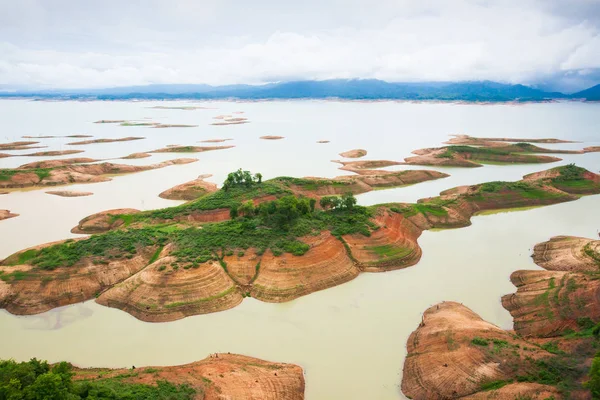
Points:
(350, 339)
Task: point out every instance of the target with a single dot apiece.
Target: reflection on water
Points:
(350, 339)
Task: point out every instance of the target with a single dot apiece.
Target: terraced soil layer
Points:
(553, 302)
(455, 354)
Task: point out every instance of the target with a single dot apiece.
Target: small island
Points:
(5, 214)
(69, 193)
(95, 141)
(189, 149)
(190, 190)
(67, 171)
(207, 255)
(356, 153)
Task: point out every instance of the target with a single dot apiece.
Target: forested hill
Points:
(352, 89)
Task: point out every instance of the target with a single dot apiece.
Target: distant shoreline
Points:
(281, 99)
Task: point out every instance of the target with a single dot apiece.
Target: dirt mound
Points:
(69, 193)
(356, 153)
(287, 277)
(190, 149)
(190, 190)
(57, 163)
(78, 173)
(568, 253)
(125, 139)
(102, 221)
(218, 377)
(53, 153)
(165, 291)
(454, 354)
(5, 214)
(271, 137)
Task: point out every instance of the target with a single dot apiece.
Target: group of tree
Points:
(241, 178)
(346, 202)
(283, 211)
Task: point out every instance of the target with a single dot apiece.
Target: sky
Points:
(106, 43)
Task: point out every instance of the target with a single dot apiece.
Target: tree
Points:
(247, 209)
(312, 202)
(233, 212)
(594, 383)
(258, 177)
(348, 201)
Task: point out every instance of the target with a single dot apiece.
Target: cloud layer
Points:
(75, 44)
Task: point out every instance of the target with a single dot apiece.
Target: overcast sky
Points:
(104, 43)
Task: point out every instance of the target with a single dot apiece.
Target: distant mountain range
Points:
(349, 89)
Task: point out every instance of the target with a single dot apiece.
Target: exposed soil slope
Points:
(160, 292)
(218, 377)
(76, 173)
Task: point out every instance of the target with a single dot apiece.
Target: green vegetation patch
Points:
(7, 174)
(36, 379)
(421, 208)
(389, 251)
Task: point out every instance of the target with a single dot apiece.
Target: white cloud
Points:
(110, 43)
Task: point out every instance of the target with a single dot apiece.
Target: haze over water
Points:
(349, 339)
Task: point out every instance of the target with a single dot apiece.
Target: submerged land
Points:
(274, 240)
(552, 352)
